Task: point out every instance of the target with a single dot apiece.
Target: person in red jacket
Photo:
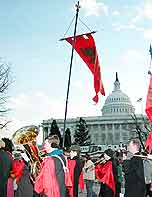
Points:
(51, 179)
(104, 173)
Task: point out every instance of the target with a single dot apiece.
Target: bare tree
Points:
(142, 132)
(5, 81)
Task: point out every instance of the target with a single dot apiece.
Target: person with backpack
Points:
(51, 179)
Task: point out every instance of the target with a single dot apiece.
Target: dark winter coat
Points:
(134, 177)
(5, 167)
(77, 172)
(25, 188)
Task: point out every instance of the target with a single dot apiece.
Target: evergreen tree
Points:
(81, 135)
(55, 130)
(67, 142)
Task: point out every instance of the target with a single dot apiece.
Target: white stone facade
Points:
(116, 124)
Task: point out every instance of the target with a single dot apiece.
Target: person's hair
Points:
(17, 156)
(54, 141)
(76, 148)
(66, 149)
(137, 143)
(8, 145)
(109, 152)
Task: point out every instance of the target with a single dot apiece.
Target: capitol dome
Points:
(117, 103)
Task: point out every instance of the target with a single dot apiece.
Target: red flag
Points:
(85, 47)
(148, 142)
(149, 100)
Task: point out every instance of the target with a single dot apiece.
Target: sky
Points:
(29, 42)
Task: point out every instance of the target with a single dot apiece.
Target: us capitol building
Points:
(115, 126)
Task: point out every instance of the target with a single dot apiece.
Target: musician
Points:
(51, 179)
(134, 171)
(22, 176)
(89, 176)
(104, 173)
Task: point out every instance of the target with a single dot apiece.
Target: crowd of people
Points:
(64, 172)
(60, 171)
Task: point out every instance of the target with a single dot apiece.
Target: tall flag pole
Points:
(150, 51)
(72, 52)
(148, 109)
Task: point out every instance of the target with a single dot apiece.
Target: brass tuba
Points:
(26, 136)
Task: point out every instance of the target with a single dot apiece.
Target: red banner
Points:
(85, 47)
(149, 100)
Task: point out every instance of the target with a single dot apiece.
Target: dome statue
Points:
(117, 103)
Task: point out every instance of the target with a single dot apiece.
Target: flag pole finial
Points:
(78, 6)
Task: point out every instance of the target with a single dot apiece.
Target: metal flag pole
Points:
(67, 96)
(150, 51)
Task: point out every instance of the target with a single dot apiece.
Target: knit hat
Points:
(76, 148)
(109, 152)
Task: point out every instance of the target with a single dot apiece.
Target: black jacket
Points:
(134, 177)
(77, 172)
(5, 167)
(60, 174)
